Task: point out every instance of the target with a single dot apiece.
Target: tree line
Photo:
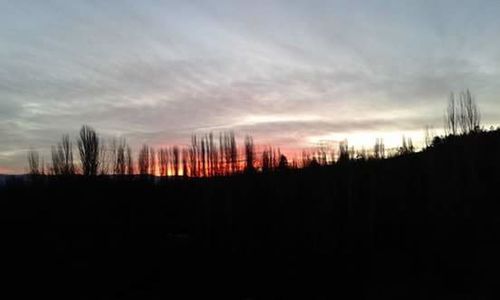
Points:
(207, 156)
(218, 155)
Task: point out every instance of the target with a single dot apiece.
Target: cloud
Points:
(281, 71)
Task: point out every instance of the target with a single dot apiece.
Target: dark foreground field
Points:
(424, 225)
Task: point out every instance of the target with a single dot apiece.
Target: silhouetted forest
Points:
(254, 225)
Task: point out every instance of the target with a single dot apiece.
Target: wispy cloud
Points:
(284, 72)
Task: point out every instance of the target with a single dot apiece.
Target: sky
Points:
(290, 73)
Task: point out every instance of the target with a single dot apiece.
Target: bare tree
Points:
(42, 167)
(283, 163)
(175, 160)
(470, 116)
(428, 136)
(270, 159)
(222, 157)
(274, 159)
(62, 157)
(234, 153)
(185, 155)
(266, 160)
(203, 158)
(88, 146)
(211, 155)
(306, 158)
(111, 155)
(56, 168)
(152, 161)
(34, 162)
(67, 149)
(249, 154)
(361, 154)
(163, 158)
(344, 153)
(104, 158)
(379, 149)
(143, 160)
(231, 153)
(462, 114)
(451, 116)
(407, 146)
(121, 165)
(321, 155)
(193, 157)
(129, 161)
(117, 155)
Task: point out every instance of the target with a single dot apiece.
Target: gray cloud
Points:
(155, 72)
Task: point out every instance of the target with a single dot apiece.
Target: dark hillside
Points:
(422, 225)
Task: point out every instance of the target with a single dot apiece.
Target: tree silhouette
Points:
(143, 160)
(175, 160)
(462, 114)
(361, 154)
(88, 147)
(269, 160)
(451, 116)
(105, 159)
(130, 162)
(249, 155)
(234, 152)
(119, 162)
(379, 149)
(34, 162)
(222, 156)
(163, 159)
(62, 157)
(193, 157)
(152, 161)
(56, 168)
(428, 136)
(306, 158)
(185, 162)
(406, 147)
(203, 158)
(344, 154)
(212, 155)
(283, 163)
(470, 117)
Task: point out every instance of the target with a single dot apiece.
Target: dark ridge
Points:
(420, 225)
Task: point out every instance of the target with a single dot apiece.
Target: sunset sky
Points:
(290, 73)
